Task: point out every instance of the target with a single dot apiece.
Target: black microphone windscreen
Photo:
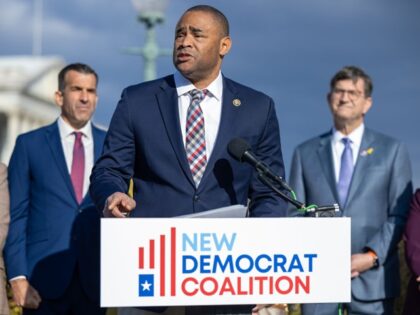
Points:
(237, 147)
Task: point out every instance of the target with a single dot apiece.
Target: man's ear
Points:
(367, 105)
(225, 44)
(329, 97)
(58, 97)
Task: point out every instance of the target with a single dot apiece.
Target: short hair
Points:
(218, 15)
(78, 67)
(353, 73)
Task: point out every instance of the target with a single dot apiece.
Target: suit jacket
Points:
(144, 142)
(412, 252)
(377, 202)
(45, 238)
(4, 226)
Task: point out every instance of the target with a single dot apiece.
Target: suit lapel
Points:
(225, 127)
(362, 164)
(56, 148)
(326, 161)
(97, 142)
(168, 106)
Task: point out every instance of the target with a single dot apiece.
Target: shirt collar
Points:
(66, 130)
(183, 85)
(355, 136)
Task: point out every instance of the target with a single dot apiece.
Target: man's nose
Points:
(186, 41)
(345, 96)
(84, 96)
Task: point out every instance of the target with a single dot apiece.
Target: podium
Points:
(215, 261)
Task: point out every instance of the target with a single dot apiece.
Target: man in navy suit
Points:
(53, 233)
(150, 136)
(369, 175)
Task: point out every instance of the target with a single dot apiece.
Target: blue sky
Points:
(288, 49)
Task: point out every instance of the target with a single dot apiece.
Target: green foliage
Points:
(14, 309)
(405, 276)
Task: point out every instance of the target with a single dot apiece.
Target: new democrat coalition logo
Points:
(209, 265)
(157, 266)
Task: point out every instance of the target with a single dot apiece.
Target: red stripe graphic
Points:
(173, 260)
(161, 260)
(141, 257)
(152, 254)
(162, 265)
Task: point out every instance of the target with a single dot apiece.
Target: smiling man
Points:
(52, 220)
(369, 175)
(171, 136)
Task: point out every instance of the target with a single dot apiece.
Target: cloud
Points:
(57, 31)
(13, 12)
(62, 30)
(15, 36)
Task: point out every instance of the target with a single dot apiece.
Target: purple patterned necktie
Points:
(78, 166)
(346, 171)
(195, 142)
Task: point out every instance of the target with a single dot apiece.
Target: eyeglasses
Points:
(353, 95)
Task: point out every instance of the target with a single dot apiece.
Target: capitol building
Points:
(27, 86)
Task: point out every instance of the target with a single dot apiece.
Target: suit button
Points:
(196, 197)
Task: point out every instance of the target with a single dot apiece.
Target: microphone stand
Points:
(323, 211)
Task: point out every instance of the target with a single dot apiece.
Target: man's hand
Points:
(118, 205)
(361, 263)
(418, 282)
(24, 294)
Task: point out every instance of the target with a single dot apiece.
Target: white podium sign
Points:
(189, 261)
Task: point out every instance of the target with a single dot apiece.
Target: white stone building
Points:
(27, 86)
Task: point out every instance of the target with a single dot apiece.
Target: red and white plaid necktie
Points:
(195, 144)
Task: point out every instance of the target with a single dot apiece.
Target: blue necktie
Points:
(346, 171)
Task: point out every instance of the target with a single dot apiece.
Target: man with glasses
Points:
(368, 174)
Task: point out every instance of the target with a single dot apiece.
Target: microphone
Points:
(323, 211)
(240, 150)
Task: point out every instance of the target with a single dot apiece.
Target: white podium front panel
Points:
(190, 261)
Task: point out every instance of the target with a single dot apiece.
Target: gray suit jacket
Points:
(4, 226)
(377, 202)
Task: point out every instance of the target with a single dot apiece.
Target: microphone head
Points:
(237, 148)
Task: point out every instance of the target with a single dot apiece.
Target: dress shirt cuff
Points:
(17, 278)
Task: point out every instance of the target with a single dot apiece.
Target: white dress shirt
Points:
(67, 141)
(338, 146)
(211, 107)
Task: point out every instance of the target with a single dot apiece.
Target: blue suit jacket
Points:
(48, 229)
(144, 142)
(377, 203)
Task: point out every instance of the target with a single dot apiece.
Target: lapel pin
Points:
(367, 152)
(236, 102)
